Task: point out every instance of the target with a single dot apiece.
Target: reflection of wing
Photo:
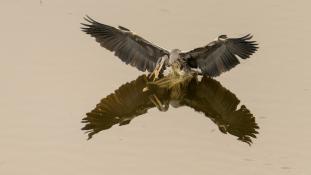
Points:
(220, 56)
(130, 48)
(219, 104)
(120, 107)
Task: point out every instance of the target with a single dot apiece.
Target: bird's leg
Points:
(157, 69)
(155, 100)
(153, 73)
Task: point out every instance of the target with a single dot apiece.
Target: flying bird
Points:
(211, 60)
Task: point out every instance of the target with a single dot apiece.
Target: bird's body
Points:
(177, 62)
(213, 59)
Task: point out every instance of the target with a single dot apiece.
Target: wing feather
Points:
(221, 56)
(118, 108)
(221, 106)
(130, 48)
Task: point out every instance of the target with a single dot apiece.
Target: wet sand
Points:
(52, 74)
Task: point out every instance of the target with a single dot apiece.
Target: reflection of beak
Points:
(222, 39)
(145, 89)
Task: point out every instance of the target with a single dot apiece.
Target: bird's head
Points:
(222, 37)
(174, 55)
(175, 51)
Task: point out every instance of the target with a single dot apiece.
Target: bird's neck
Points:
(173, 58)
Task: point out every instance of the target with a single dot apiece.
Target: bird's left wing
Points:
(221, 55)
(221, 106)
(130, 48)
(120, 107)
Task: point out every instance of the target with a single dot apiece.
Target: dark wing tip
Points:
(243, 125)
(89, 19)
(244, 47)
(247, 37)
(86, 27)
(246, 139)
(96, 122)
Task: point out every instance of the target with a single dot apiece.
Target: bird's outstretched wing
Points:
(221, 55)
(221, 106)
(119, 107)
(130, 48)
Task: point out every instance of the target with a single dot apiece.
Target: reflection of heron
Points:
(218, 56)
(205, 95)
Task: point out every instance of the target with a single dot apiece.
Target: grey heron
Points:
(217, 57)
(180, 87)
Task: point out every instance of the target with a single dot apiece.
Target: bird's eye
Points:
(222, 37)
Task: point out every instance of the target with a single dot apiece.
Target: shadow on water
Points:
(205, 95)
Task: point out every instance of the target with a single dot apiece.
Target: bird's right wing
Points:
(130, 48)
(120, 107)
(221, 106)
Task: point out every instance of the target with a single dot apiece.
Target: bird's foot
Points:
(155, 100)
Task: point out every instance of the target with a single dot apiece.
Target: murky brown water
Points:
(52, 74)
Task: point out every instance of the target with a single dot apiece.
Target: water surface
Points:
(52, 74)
